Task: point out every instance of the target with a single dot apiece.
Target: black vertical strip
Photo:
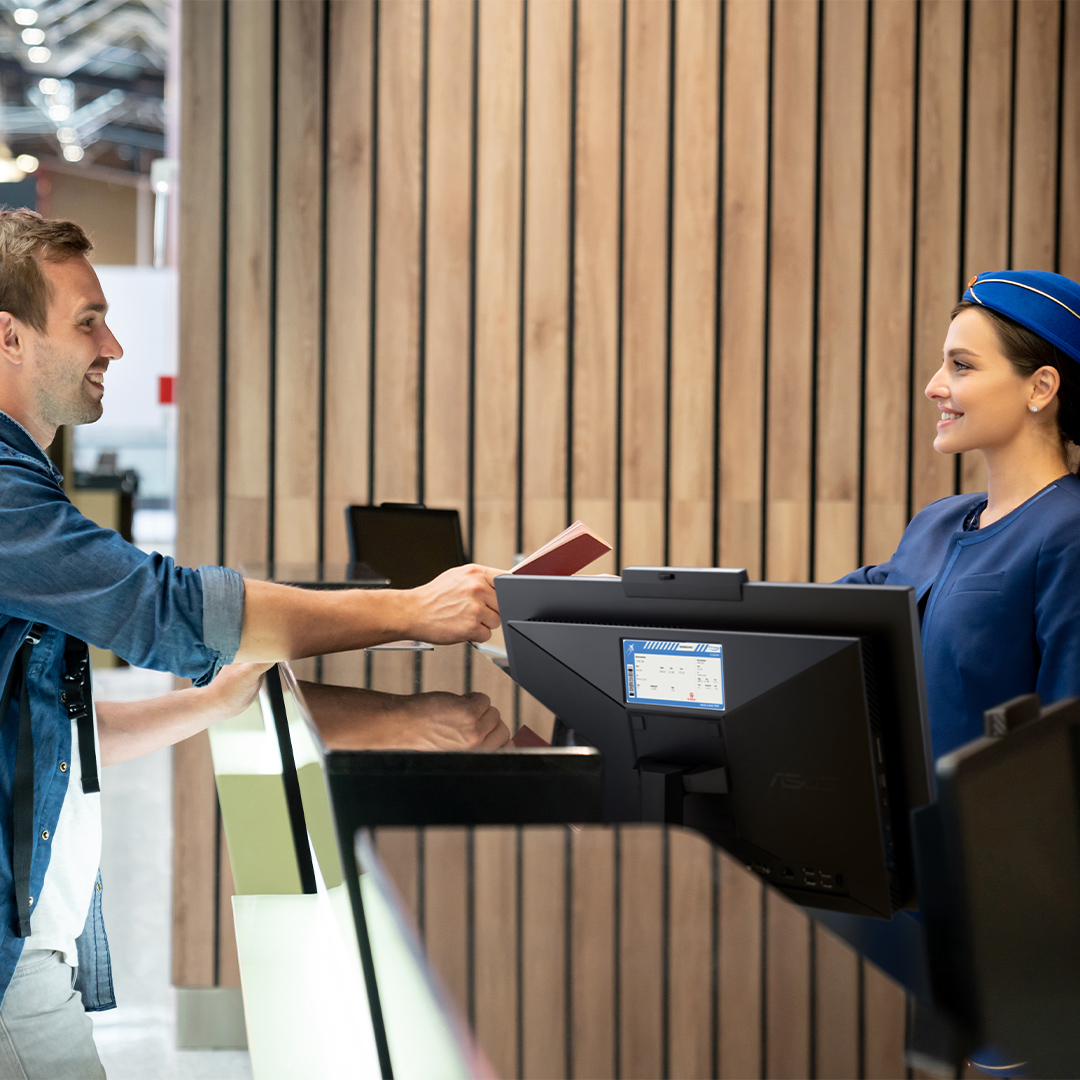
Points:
(718, 302)
(965, 97)
(665, 953)
(519, 501)
(571, 246)
(620, 291)
(519, 943)
(864, 288)
(1012, 131)
(421, 359)
(763, 1004)
(474, 136)
(714, 953)
(272, 270)
(222, 419)
(669, 293)
(914, 299)
(616, 923)
(324, 203)
(568, 951)
(373, 270)
(421, 882)
(812, 1064)
(860, 974)
(470, 923)
(1063, 9)
(764, 554)
(815, 316)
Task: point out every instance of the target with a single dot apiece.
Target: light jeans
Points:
(45, 1033)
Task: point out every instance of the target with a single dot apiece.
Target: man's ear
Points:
(11, 338)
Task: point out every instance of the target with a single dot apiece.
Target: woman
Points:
(997, 575)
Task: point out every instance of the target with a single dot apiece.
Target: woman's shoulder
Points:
(949, 511)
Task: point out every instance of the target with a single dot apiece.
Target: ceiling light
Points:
(49, 86)
(38, 54)
(66, 134)
(33, 36)
(25, 16)
(59, 113)
(73, 153)
(27, 162)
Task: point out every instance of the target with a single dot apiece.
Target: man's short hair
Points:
(26, 238)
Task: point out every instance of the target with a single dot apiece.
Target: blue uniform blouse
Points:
(1000, 605)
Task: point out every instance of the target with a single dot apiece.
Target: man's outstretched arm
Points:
(283, 623)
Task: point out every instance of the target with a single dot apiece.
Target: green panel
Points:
(258, 833)
(320, 822)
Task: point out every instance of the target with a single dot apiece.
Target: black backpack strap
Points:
(77, 697)
(22, 816)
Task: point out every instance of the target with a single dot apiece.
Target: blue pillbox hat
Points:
(1047, 304)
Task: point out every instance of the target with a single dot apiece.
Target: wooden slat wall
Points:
(679, 267)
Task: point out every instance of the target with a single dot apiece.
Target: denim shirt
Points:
(74, 577)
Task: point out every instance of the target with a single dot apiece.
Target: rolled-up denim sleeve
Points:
(223, 610)
(59, 568)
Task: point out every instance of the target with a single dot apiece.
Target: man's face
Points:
(72, 356)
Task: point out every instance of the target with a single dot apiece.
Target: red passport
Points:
(572, 550)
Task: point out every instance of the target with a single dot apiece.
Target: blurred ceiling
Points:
(83, 81)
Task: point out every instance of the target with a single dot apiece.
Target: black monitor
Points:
(409, 544)
(998, 860)
(786, 722)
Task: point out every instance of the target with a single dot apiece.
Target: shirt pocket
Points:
(984, 583)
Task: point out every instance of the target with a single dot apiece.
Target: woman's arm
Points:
(128, 729)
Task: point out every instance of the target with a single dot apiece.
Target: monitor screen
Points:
(409, 545)
(786, 722)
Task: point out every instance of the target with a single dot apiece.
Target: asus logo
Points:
(793, 781)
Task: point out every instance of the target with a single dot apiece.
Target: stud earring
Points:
(1034, 408)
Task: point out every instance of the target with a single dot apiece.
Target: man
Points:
(63, 581)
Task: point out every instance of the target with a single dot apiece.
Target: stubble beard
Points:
(62, 395)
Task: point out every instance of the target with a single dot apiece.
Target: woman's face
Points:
(984, 402)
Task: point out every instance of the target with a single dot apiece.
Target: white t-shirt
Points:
(60, 913)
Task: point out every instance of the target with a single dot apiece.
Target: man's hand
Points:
(458, 605)
(234, 688)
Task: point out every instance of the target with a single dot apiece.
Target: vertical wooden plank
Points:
(498, 231)
(693, 391)
(740, 1015)
(446, 910)
(836, 993)
(885, 1020)
(691, 948)
(645, 277)
(937, 270)
(194, 796)
(989, 93)
(1035, 159)
(746, 96)
(1069, 234)
(296, 428)
(592, 944)
(228, 956)
(251, 62)
(889, 277)
(398, 854)
(596, 267)
(495, 946)
(787, 989)
(791, 289)
(547, 234)
(448, 227)
(641, 951)
(397, 270)
(843, 156)
(543, 971)
(348, 259)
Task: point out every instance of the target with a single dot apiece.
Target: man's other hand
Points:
(458, 605)
(443, 721)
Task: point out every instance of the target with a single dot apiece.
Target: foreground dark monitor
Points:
(999, 887)
(786, 722)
